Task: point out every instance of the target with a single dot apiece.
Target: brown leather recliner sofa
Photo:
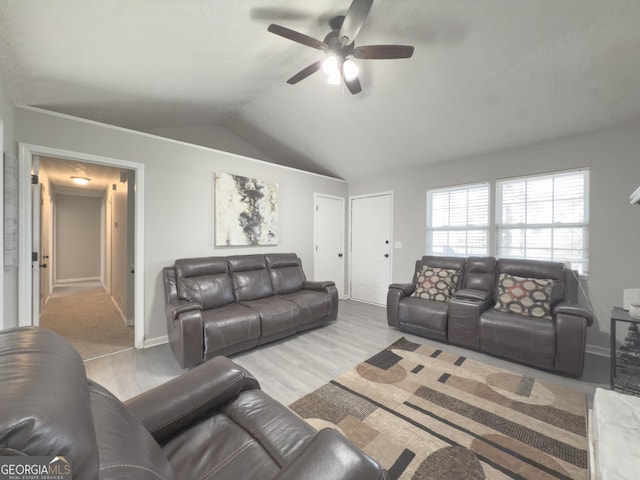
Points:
(523, 310)
(224, 305)
(212, 422)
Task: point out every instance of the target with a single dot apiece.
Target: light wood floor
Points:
(298, 365)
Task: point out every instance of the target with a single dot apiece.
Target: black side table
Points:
(625, 360)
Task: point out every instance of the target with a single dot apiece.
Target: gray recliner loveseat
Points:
(523, 310)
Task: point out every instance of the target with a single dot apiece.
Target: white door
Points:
(371, 248)
(328, 227)
(35, 241)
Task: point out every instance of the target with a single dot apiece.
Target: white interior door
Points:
(35, 241)
(328, 255)
(371, 248)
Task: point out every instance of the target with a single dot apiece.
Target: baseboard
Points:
(120, 312)
(152, 342)
(67, 281)
(598, 350)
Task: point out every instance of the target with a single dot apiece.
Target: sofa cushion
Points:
(526, 268)
(204, 280)
(524, 296)
(277, 316)
(435, 283)
(251, 280)
(518, 337)
(253, 438)
(286, 272)
(314, 305)
(429, 314)
(224, 327)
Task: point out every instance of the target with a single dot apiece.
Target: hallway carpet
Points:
(86, 316)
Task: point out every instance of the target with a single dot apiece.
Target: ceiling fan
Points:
(339, 46)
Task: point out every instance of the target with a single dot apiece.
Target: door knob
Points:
(386, 255)
(43, 265)
(339, 255)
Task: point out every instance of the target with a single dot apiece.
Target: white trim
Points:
(152, 342)
(598, 350)
(26, 151)
(391, 238)
(120, 312)
(61, 282)
(2, 321)
(170, 140)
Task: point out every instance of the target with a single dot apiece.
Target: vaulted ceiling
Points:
(486, 75)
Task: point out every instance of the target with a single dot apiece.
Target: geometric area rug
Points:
(423, 413)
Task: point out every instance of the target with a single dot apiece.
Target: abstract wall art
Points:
(246, 211)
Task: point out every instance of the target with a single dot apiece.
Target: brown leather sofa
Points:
(224, 305)
(212, 422)
(478, 316)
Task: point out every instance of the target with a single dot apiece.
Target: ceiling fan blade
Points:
(353, 20)
(304, 73)
(353, 85)
(374, 52)
(297, 37)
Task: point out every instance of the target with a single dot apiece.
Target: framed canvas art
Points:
(246, 211)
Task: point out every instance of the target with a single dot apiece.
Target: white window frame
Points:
(583, 265)
(486, 228)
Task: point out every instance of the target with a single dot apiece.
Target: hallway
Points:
(85, 315)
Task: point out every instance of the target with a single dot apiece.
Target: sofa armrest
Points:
(473, 294)
(407, 288)
(318, 285)
(175, 404)
(395, 294)
(575, 310)
(174, 309)
(332, 457)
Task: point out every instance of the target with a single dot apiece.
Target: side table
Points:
(625, 360)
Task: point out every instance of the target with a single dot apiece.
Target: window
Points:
(544, 217)
(458, 220)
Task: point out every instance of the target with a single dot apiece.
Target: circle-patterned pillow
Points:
(435, 283)
(524, 296)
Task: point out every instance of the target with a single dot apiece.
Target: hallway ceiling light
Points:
(80, 180)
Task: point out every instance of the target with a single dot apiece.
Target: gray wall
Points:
(78, 236)
(613, 158)
(179, 195)
(9, 280)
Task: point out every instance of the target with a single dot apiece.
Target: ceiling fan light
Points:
(330, 65)
(80, 180)
(334, 78)
(350, 70)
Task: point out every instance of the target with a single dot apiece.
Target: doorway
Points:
(328, 234)
(85, 249)
(130, 176)
(371, 247)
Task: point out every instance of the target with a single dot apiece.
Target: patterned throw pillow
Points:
(524, 296)
(434, 283)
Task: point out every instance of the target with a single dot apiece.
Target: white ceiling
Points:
(60, 171)
(486, 75)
